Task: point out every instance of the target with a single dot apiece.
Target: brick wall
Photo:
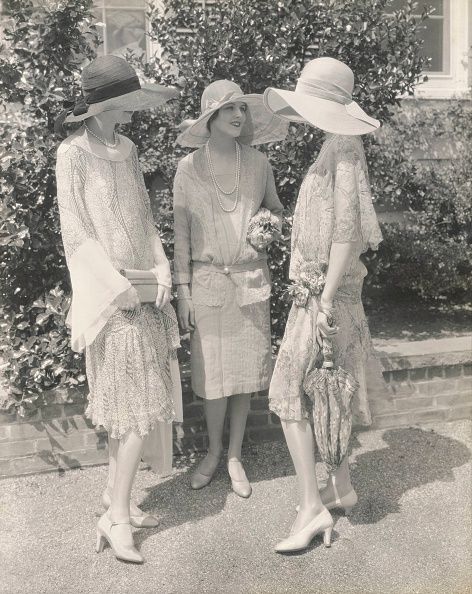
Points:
(427, 381)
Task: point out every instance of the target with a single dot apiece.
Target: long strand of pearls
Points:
(218, 188)
(102, 140)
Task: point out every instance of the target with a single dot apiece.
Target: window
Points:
(436, 33)
(123, 27)
(446, 41)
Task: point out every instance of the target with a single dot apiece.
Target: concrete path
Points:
(410, 533)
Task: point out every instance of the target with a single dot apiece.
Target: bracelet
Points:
(189, 298)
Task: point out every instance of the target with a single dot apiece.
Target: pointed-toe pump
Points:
(142, 521)
(241, 486)
(322, 523)
(199, 479)
(123, 552)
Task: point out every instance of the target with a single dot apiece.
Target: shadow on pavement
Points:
(413, 457)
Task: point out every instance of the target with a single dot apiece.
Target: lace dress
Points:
(107, 225)
(231, 344)
(334, 205)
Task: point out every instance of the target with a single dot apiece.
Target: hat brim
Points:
(261, 125)
(147, 97)
(325, 114)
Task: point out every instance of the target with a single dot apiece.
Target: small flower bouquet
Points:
(311, 281)
(263, 228)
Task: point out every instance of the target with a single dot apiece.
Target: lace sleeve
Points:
(76, 226)
(347, 223)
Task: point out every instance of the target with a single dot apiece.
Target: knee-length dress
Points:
(334, 205)
(230, 282)
(107, 225)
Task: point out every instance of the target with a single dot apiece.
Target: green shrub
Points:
(430, 254)
(255, 43)
(39, 67)
(260, 44)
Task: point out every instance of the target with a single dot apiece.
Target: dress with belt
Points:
(334, 205)
(230, 282)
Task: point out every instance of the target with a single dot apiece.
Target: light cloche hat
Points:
(109, 83)
(323, 98)
(261, 124)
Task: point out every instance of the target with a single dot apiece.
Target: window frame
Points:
(456, 82)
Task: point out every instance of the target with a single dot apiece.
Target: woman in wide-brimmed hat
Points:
(222, 278)
(107, 225)
(334, 222)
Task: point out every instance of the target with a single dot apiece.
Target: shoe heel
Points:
(327, 537)
(101, 541)
(348, 509)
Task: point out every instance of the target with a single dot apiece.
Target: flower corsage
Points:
(263, 228)
(310, 283)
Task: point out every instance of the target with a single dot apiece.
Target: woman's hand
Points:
(163, 296)
(128, 300)
(323, 328)
(186, 314)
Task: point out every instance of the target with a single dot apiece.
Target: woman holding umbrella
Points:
(334, 222)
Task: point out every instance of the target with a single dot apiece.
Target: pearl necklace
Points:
(102, 140)
(218, 188)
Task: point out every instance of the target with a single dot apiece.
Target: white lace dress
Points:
(104, 209)
(334, 205)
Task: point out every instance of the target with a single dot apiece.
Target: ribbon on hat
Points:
(79, 106)
(326, 90)
(216, 103)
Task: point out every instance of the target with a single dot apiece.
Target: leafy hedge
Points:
(430, 254)
(39, 67)
(255, 43)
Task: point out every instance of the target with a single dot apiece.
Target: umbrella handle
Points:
(328, 353)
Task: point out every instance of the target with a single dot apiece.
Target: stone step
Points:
(52, 462)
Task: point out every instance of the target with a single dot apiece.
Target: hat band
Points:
(323, 90)
(212, 104)
(111, 90)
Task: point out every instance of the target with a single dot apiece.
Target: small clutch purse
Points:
(145, 283)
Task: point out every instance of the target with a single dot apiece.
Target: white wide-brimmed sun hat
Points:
(323, 98)
(261, 124)
(110, 83)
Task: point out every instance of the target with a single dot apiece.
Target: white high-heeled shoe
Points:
(123, 552)
(241, 487)
(322, 523)
(142, 521)
(199, 479)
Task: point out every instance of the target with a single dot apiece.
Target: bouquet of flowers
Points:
(263, 228)
(311, 281)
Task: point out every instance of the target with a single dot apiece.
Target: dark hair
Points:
(212, 117)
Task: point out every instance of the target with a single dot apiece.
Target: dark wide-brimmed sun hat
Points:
(261, 124)
(110, 83)
(323, 98)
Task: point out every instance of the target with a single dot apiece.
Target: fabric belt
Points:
(232, 268)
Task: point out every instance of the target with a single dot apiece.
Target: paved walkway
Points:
(411, 531)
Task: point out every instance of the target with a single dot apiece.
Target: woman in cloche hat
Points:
(107, 225)
(223, 283)
(334, 222)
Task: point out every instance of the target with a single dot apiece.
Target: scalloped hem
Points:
(116, 430)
